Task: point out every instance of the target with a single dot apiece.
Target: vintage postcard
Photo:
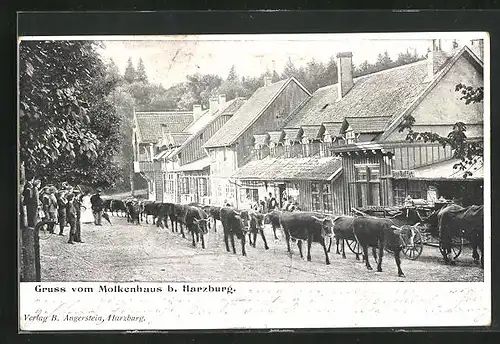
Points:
(272, 181)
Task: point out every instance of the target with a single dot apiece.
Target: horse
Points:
(455, 221)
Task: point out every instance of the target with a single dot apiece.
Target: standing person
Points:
(97, 207)
(77, 202)
(51, 208)
(273, 204)
(61, 210)
(71, 217)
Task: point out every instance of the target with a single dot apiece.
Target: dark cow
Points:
(457, 222)
(116, 206)
(150, 209)
(107, 205)
(213, 213)
(165, 211)
(178, 217)
(133, 211)
(381, 233)
(234, 223)
(302, 226)
(256, 225)
(196, 222)
(343, 230)
(273, 218)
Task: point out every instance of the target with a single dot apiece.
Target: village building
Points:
(186, 167)
(232, 145)
(343, 148)
(152, 133)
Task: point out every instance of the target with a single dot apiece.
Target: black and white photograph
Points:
(253, 158)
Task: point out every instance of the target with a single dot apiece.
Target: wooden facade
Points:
(193, 149)
(272, 118)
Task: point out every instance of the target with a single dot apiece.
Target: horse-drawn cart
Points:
(422, 218)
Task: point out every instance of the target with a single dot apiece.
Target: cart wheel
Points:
(43, 229)
(456, 247)
(354, 246)
(413, 252)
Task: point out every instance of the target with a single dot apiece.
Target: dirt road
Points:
(124, 252)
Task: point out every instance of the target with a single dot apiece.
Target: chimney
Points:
(267, 81)
(436, 58)
(196, 112)
(344, 72)
(222, 99)
(478, 48)
(213, 105)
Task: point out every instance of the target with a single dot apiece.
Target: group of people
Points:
(67, 205)
(269, 204)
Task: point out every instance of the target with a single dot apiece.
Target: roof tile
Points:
(245, 115)
(149, 123)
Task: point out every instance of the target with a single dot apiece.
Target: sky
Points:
(168, 59)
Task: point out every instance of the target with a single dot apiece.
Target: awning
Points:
(198, 165)
(271, 169)
(445, 171)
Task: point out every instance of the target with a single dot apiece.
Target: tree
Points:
(289, 70)
(470, 153)
(130, 73)
(383, 61)
(141, 72)
(67, 124)
(232, 76)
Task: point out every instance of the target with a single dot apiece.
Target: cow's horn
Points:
(317, 218)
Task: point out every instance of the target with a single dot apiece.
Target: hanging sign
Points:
(403, 174)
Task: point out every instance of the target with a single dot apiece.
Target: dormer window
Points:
(350, 136)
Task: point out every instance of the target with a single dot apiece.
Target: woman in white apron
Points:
(86, 216)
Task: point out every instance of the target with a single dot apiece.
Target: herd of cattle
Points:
(299, 226)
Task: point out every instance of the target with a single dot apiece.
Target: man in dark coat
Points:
(273, 204)
(71, 217)
(77, 203)
(97, 207)
(61, 210)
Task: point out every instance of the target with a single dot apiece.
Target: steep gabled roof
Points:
(228, 109)
(386, 93)
(149, 123)
(248, 114)
(398, 118)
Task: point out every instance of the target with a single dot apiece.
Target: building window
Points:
(417, 190)
(203, 187)
(399, 192)
(350, 136)
(251, 195)
(327, 197)
(367, 186)
(316, 205)
(224, 153)
(184, 185)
